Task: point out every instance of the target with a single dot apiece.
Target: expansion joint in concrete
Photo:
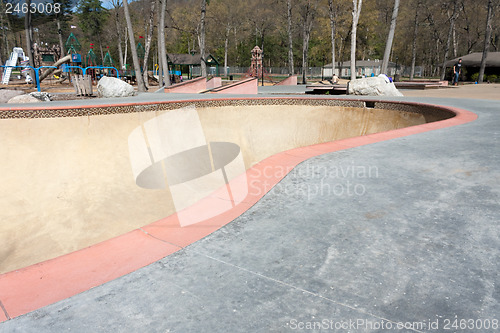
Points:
(161, 240)
(4, 310)
(304, 291)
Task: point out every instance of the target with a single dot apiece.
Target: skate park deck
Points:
(322, 244)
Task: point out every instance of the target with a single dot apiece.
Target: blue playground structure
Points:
(64, 67)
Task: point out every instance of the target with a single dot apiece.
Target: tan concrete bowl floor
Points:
(68, 181)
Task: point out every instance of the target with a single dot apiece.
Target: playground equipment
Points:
(63, 60)
(256, 69)
(17, 53)
(140, 49)
(73, 45)
(91, 58)
(108, 61)
(64, 68)
(36, 70)
(44, 55)
(48, 59)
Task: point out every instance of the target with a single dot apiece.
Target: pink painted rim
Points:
(33, 287)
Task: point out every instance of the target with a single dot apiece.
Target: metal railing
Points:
(37, 71)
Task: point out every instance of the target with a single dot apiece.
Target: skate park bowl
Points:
(92, 193)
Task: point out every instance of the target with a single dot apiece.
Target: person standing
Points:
(457, 70)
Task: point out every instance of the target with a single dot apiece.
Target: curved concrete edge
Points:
(36, 286)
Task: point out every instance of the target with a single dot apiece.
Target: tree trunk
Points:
(356, 11)
(341, 48)
(119, 32)
(487, 41)
(305, 48)
(262, 32)
(102, 52)
(48, 71)
(436, 70)
(163, 74)
(147, 46)
(29, 36)
(455, 42)
(126, 49)
(59, 34)
(290, 38)
(226, 44)
(390, 37)
(137, 66)
(333, 19)
(308, 17)
(414, 46)
(201, 38)
(453, 18)
(3, 18)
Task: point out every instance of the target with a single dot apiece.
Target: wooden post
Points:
(83, 85)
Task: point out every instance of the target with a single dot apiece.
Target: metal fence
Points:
(311, 73)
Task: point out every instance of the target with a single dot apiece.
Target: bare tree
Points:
(487, 41)
(290, 36)
(263, 19)
(125, 55)
(226, 46)
(356, 12)
(333, 21)
(453, 19)
(414, 44)
(436, 38)
(390, 37)
(225, 19)
(455, 41)
(308, 12)
(201, 37)
(116, 5)
(6, 27)
(29, 35)
(149, 37)
(137, 67)
(163, 75)
(64, 11)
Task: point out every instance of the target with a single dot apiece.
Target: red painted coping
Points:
(289, 81)
(33, 287)
(247, 86)
(190, 86)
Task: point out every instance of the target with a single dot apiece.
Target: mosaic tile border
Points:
(432, 113)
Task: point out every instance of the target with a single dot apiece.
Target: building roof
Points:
(474, 60)
(184, 59)
(189, 59)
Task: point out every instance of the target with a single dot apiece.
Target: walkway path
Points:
(416, 239)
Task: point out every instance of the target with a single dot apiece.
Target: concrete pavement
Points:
(400, 231)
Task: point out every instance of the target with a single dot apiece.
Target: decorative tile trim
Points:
(431, 112)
